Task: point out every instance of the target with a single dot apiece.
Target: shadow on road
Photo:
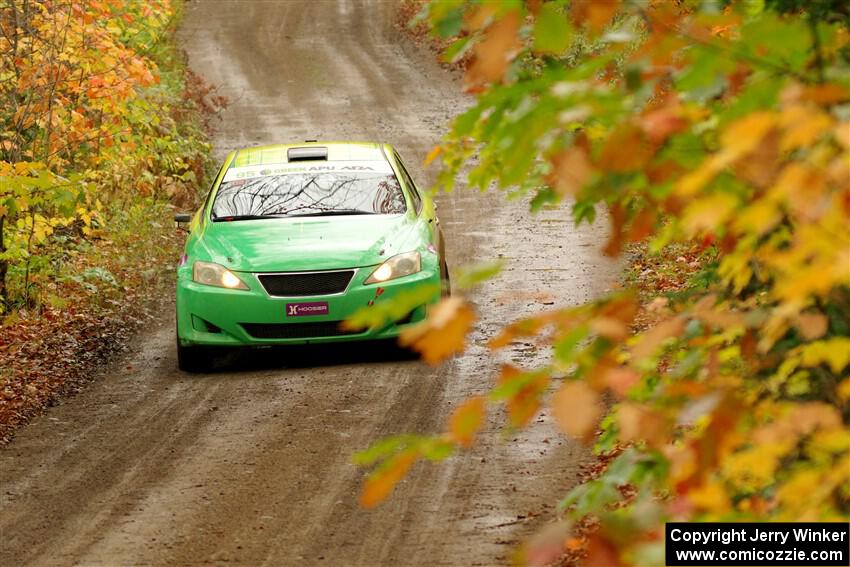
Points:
(309, 356)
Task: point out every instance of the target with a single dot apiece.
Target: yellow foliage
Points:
(707, 213)
(736, 389)
(759, 218)
(844, 390)
(801, 491)
(834, 352)
(754, 469)
(745, 134)
(711, 496)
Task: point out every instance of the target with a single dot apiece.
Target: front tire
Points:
(192, 358)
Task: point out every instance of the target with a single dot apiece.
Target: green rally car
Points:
(293, 239)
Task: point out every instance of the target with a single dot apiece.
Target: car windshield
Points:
(308, 190)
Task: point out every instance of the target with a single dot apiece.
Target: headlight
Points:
(396, 267)
(208, 273)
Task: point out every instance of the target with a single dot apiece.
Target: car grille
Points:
(297, 284)
(296, 330)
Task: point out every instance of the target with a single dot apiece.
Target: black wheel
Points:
(445, 280)
(193, 358)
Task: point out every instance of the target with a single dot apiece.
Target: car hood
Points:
(300, 244)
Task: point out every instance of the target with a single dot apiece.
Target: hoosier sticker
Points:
(303, 309)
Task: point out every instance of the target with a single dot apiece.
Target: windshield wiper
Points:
(336, 212)
(228, 218)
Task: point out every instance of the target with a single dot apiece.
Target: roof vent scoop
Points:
(307, 153)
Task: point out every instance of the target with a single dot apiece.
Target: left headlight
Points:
(396, 267)
(208, 273)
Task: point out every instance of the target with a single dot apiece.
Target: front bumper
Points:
(214, 316)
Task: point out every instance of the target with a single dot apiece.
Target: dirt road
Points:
(251, 465)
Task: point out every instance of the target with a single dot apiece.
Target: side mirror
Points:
(180, 218)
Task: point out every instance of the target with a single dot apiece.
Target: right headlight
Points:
(396, 267)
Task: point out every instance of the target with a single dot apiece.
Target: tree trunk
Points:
(4, 267)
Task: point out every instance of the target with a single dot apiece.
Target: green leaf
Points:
(584, 211)
(457, 49)
(388, 309)
(386, 448)
(436, 448)
(543, 197)
(565, 348)
(705, 76)
(470, 276)
(553, 33)
(510, 388)
(762, 92)
(777, 44)
(446, 17)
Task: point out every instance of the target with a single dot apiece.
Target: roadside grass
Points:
(676, 269)
(659, 277)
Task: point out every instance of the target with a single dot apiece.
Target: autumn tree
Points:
(720, 127)
(87, 122)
